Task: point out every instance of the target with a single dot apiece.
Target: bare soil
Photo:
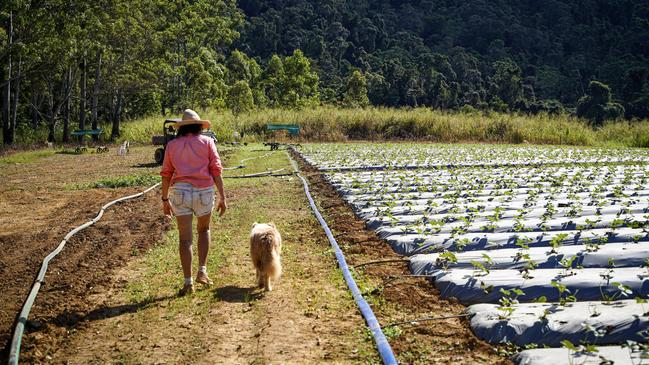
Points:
(307, 319)
(84, 314)
(37, 209)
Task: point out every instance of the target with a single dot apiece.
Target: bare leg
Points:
(203, 228)
(185, 245)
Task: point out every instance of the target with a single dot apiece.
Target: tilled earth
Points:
(39, 205)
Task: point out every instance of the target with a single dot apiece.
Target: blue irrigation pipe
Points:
(382, 344)
(14, 350)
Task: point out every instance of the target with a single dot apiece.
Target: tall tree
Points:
(94, 113)
(301, 83)
(8, 131)
(189, 28)
(240, 97)
(356, 93)
(597, 106)
(273, 80)
(507, 82)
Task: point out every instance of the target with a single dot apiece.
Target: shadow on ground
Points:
(235, 294)
(146, 165)
(69, 319)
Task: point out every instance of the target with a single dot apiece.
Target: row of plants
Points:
(562, 218)
(399, 155)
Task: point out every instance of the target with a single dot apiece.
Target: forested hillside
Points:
(67, 65)
(525, 54)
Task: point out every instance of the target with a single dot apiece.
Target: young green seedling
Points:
(461, 243)
(564, 293)
(446, 258)
(507, 300)
(480, 268)
(557, 241)
(566, 264)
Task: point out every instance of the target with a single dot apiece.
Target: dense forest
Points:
(68, 65)
(523, 55)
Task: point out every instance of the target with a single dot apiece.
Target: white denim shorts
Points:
(185, 199)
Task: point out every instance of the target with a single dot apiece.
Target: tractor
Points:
(169, 133)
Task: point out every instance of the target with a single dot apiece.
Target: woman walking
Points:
(191, 169)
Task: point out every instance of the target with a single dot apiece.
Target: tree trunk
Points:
(185, 80)
(95, 95)
(52, 121)
(14, 119)
(82, 97)
(35, 102)
(6, 103)
(6, 95)
(117, 115)
(66, 122)
(66, 111)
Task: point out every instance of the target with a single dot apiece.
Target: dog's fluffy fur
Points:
(265, 250)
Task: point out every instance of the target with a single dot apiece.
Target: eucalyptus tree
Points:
(300, 82)
(194, 36)
(272, 79)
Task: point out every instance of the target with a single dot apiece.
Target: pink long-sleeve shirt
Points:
(192, 159)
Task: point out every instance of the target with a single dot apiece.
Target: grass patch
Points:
(326, 123)
(119, 182)
(333, 124)
(26, 157)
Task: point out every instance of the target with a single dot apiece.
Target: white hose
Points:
(382, 344)
(241, 165)
(14, 350)
(258, 174)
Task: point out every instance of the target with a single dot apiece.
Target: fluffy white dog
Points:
(265, 250)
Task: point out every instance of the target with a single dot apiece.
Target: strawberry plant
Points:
(446, 258)
(557, 241)
(461, 243)
(566, 264)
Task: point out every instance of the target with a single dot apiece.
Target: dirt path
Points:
(308, 319)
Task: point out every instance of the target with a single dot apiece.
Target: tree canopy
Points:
(68, 63)
(516, 55)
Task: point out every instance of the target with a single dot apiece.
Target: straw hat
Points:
(191, 117)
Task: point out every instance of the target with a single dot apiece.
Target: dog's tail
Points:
(269, 255)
